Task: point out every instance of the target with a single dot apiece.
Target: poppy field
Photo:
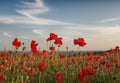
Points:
(52, 66)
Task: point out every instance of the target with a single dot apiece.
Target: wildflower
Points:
(82, 75)
(97, 58)
(106, 53)
(29, 69)
(107, 66)
(16, 43)
(2, 68)
(88, 53)
(80, 42)
(3, 54)
(117, 48)
(118, 65)
(44, 52)
(90, 71)
(113, 51)
(74, 59)
(115, 60)
(34, 47)
(58, 41)
(103, 62)
(41, 66)
(53, 36)
(62, 56)
(91, 57)
(3, 78)
(52, 48)
(59, 77)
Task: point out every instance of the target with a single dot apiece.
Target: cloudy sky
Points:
(98, 21)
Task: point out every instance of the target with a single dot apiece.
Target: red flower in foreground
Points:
(118, 65)
(34, 47)
(90, 71)
(44, 52)
(52, 48)
(3, 78)
(3, 54)
(117, 48)
(41, 66)
(84, 73)
(53, 36)
(106, 54)
(58, 41)
(74, 59)
(80, 42)
(113, 51)
(59, 77)
(16, 43)
(29, 69)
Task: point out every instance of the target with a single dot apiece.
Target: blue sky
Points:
(98, 21)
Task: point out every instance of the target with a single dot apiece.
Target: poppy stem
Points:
(78, 50)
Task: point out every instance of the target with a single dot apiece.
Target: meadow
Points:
(51, 66)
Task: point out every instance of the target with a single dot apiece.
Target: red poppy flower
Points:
(44, 52)
(82, 75)
(90, 71)
(29, 69)
(107, 66)
(80, 42)
(113, 51)
(106, 53)
(62, 56)
(97, 58)
(103, 62)
(118, 65)
(88, 53)
(117, 48)
(16, 43)
(2, 68)
(3, 54)
(74, 59)
(32, 70)
(58, 41)
(3, 78)
(52, 48)
(59, 77)
(91, 57)
(41, 66)
(115, 60)
(34, 47)
(53, 36)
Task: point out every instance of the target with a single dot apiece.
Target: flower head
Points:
(58, 41)
(80, 42)
(59, 77)
(53, 36)
(34, 47)
(16, 42)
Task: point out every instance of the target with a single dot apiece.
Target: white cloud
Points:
(36, 7)
(28, 12)
(102, 30)
(7, 34)
(109, 20)
(39, 32)
(15, 20)
(24, 37)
